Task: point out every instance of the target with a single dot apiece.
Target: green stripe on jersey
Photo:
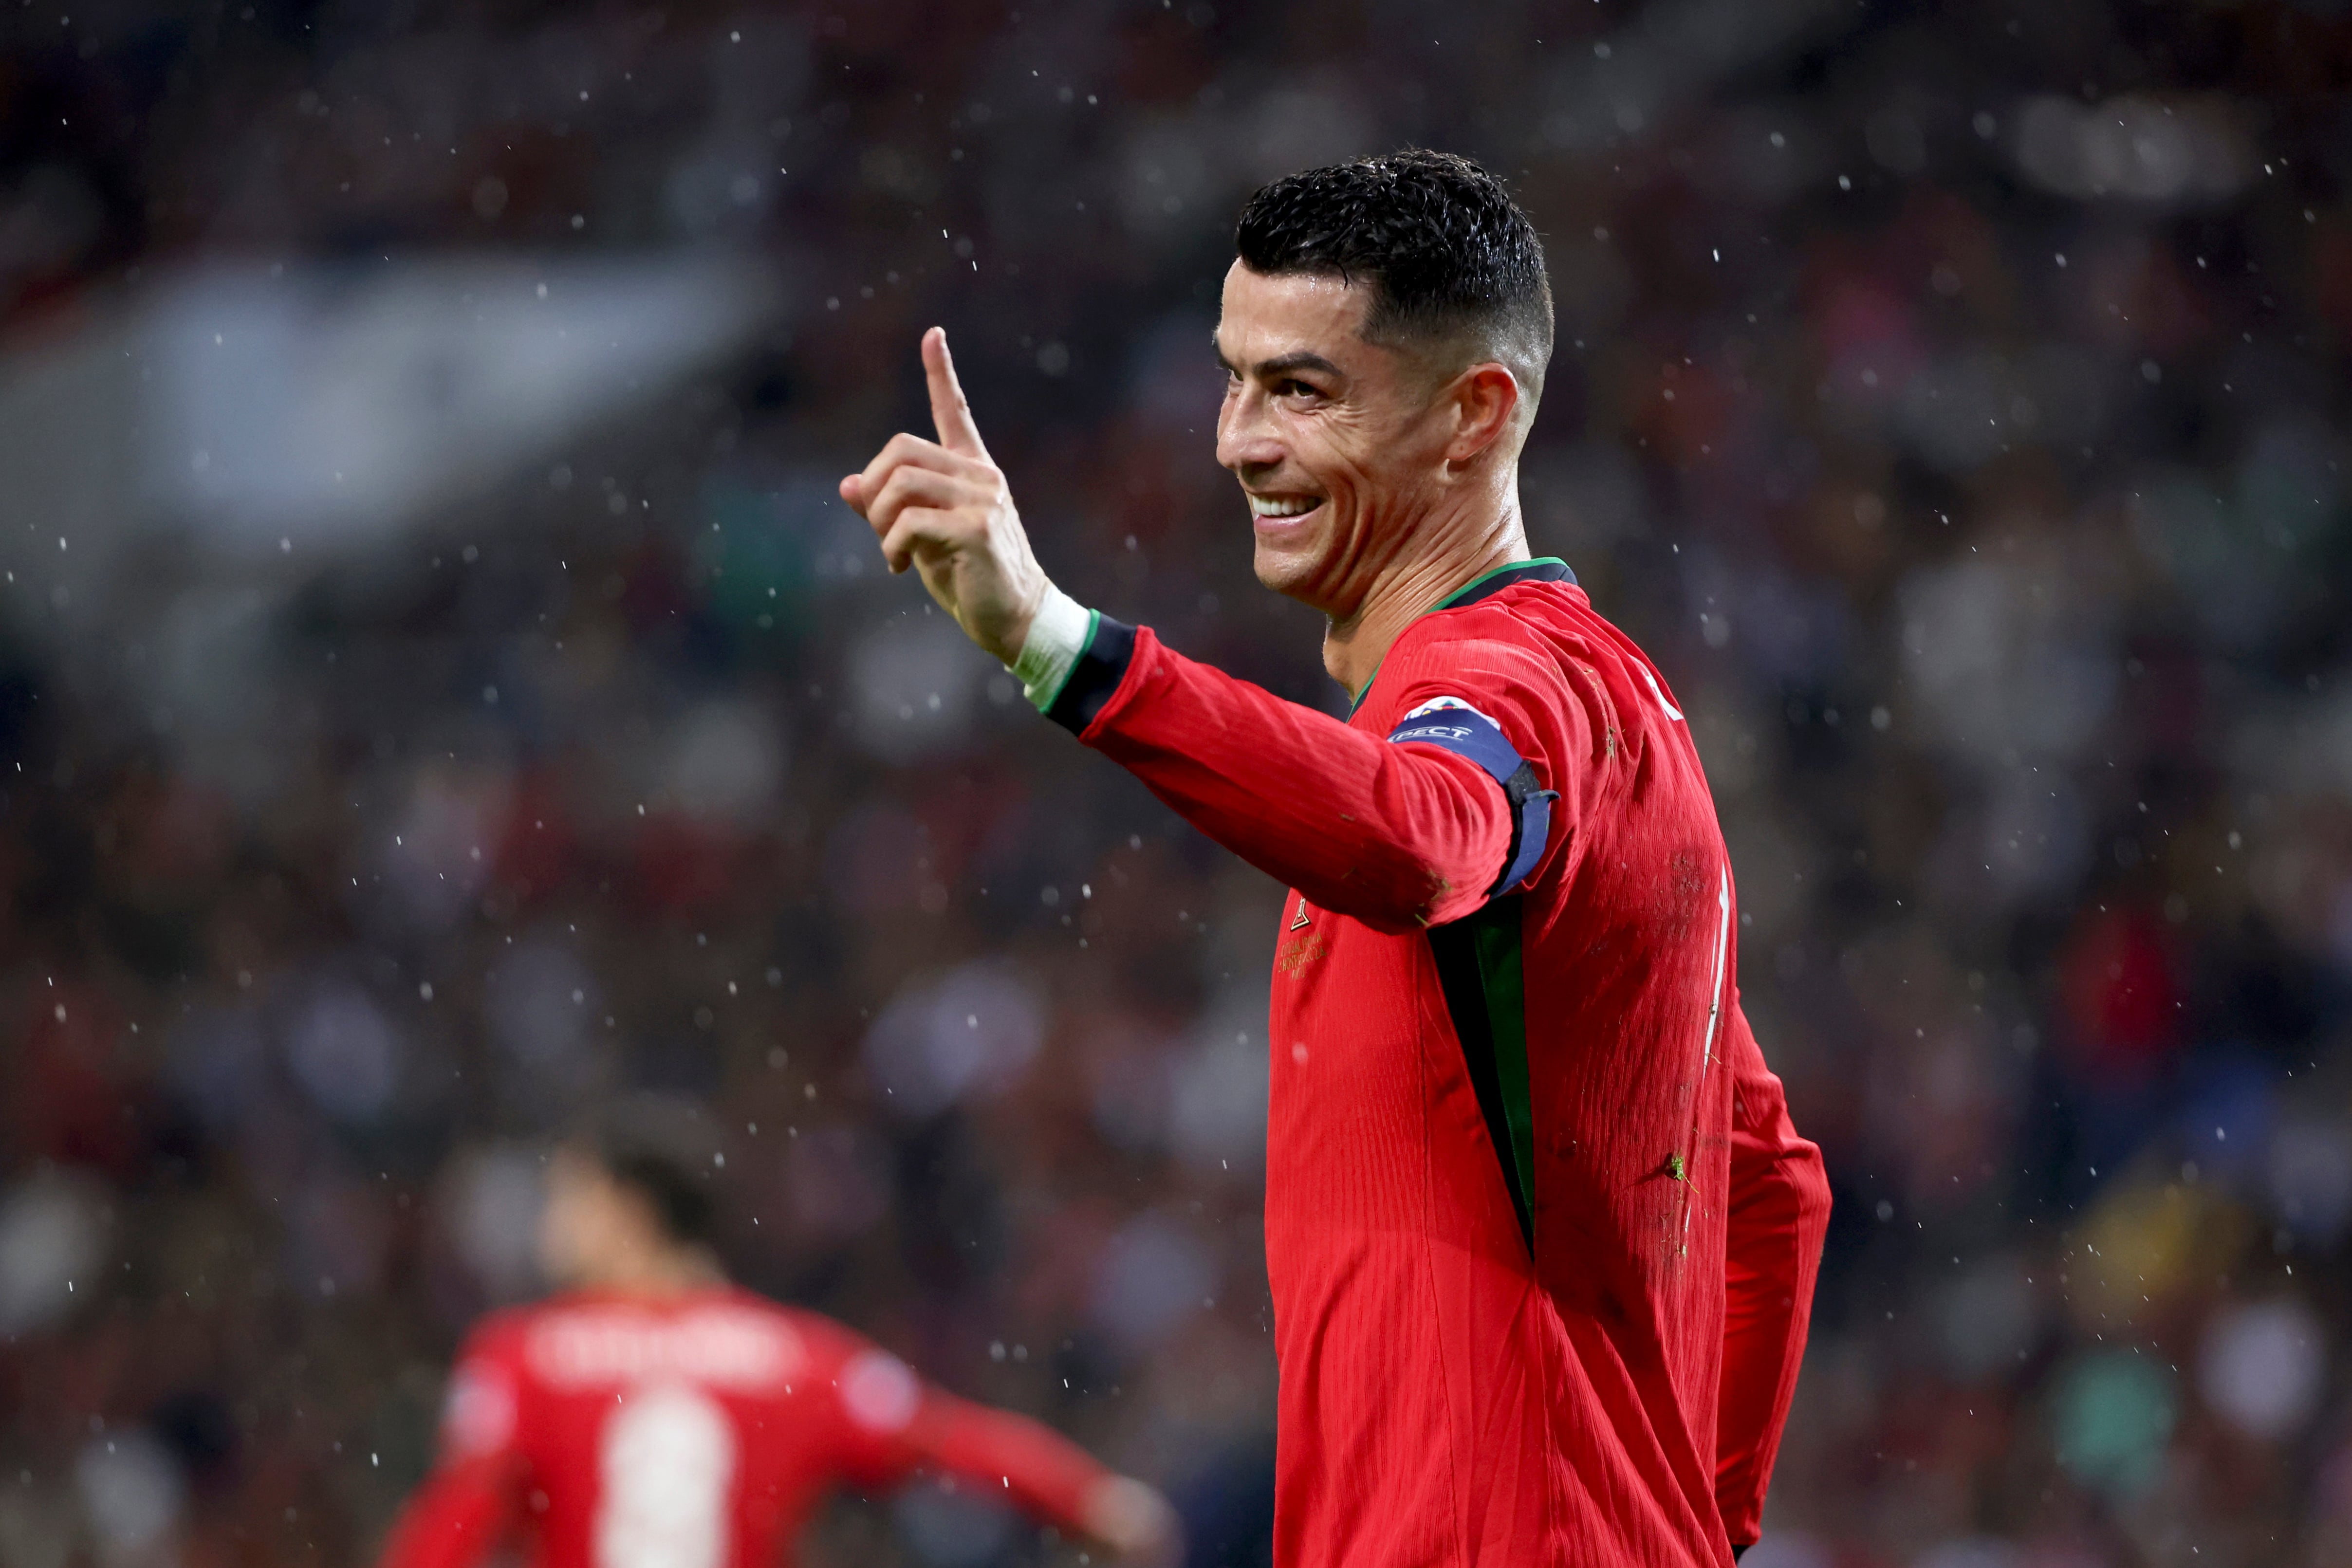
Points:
(1481, 970)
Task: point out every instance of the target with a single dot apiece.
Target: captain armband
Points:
(1455, 724)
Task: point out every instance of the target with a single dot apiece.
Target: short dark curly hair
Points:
(1446, 252)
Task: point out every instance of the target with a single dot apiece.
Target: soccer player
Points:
(656, 1417)
(1541, 1238)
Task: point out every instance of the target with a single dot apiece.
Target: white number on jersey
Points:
(667, 1462)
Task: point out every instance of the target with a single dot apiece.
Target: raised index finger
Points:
(950, 413)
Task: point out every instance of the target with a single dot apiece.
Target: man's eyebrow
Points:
(1300, 361)
(1280, 365)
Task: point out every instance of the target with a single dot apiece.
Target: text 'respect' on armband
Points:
(1452, 723)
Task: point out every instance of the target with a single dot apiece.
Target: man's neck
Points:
(668, 1272)
(1416, 582)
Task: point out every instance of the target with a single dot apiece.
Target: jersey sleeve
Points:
(1779, 1215)
(466, 1507)
(1507, 708)
(901, 1425)
(1404, 832)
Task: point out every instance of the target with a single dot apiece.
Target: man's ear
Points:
(1484, 398)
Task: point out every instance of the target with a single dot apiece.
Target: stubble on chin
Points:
(1273, 571)
(1286, 572)
(1313, 573)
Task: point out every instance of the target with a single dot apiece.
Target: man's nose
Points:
(1245, 439)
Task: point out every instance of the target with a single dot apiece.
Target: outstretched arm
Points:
(1779, 1211)
(1047, 1475)
(464, 1510)
(1398, 835)
(455, 1520)
(902, 1426)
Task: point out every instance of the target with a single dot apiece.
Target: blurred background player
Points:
(654, 1414)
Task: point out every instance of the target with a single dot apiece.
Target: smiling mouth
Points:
(1282, 506)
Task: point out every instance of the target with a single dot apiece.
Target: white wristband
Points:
(1058, 634)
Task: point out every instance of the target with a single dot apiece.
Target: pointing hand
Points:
(942, 506)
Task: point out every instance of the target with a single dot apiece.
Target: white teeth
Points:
(1283, 506)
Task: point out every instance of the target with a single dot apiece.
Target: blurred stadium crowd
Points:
(1950, 399)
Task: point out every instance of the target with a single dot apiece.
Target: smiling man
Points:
(1541, 1238)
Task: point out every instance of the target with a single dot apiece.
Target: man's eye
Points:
(1293, 387)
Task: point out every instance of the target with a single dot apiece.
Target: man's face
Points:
(1335, 440)
(587, 1221)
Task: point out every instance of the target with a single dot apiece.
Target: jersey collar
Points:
(1543, 569)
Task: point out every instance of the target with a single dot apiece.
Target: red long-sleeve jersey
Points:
(698, 1431)
(1541, 1238)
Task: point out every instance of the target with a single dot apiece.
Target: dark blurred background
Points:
(440, 691)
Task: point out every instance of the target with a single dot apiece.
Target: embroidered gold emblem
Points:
(1298, 952)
